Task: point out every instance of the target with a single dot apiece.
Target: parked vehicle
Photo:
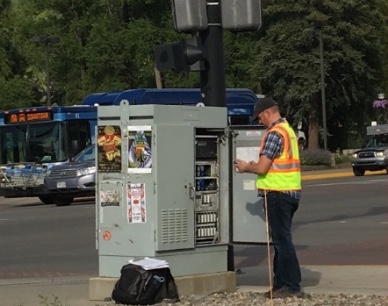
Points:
(72, 179)
(301, 139)
(374, 154)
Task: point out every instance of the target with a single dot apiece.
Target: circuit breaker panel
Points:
(207, 193)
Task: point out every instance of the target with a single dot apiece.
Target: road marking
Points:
(325, 175)
(338, 174)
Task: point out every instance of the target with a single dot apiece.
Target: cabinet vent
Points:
(174, 225)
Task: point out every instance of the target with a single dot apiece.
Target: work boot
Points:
(271, 292)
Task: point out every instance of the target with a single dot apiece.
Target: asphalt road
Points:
(340, 221)
(40, 240)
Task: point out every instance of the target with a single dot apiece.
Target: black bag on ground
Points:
(137, 286)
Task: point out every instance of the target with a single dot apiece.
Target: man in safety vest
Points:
(279, 183)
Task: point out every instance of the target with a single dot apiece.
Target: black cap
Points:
(261, 105)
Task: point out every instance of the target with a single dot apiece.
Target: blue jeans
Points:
(281, 209)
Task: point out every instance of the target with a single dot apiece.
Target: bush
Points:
(314, 157)
(341, 159)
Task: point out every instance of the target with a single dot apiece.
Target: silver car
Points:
(373, 156)
(72, 179)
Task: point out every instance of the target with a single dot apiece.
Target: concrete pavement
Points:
(360, 280)
(46, 291)
(74, 291)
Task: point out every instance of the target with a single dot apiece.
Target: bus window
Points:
(78, 135)
(13, 144)
(46, 142)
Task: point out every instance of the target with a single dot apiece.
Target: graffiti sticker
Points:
(136, 203)
(139, 149)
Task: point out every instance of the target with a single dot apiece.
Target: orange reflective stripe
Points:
(286, 139)
(289, 161)
(283, 170)
(287, 153)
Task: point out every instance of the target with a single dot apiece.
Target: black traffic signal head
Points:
(185, 55)
(170, 57)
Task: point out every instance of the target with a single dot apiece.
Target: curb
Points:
(335, 173)
(326, 175)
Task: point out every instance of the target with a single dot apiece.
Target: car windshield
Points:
(87, 154)
(377, 141)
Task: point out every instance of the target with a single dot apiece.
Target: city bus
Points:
(34, 139)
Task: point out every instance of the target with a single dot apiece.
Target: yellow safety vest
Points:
(284, 173)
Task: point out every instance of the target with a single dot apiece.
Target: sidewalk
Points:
(360, 280)
(39, 292)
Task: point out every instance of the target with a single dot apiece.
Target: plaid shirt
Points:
(273, 148)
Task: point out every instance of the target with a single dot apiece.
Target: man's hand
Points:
(242, 166)
(260, 168)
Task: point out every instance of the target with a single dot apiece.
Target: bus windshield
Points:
(35, 142)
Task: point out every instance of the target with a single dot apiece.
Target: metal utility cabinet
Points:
(163, 177)
(248, 218)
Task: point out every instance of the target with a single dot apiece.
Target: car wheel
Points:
(358, 172)
(63, 201)
(46, 199)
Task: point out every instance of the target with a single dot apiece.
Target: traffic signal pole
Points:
(213, 77)
(206, 20)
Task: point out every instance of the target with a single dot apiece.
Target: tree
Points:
(107, 45)
(15, 89)
(104, 45)
(240, 60)
(288, 59)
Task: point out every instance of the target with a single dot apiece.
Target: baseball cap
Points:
(261, 105)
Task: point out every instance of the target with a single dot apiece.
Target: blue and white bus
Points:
(34, 139)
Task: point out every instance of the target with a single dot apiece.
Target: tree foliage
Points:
(107, 45)
(288, 65)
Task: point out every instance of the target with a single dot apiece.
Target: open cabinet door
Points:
(248, 217)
